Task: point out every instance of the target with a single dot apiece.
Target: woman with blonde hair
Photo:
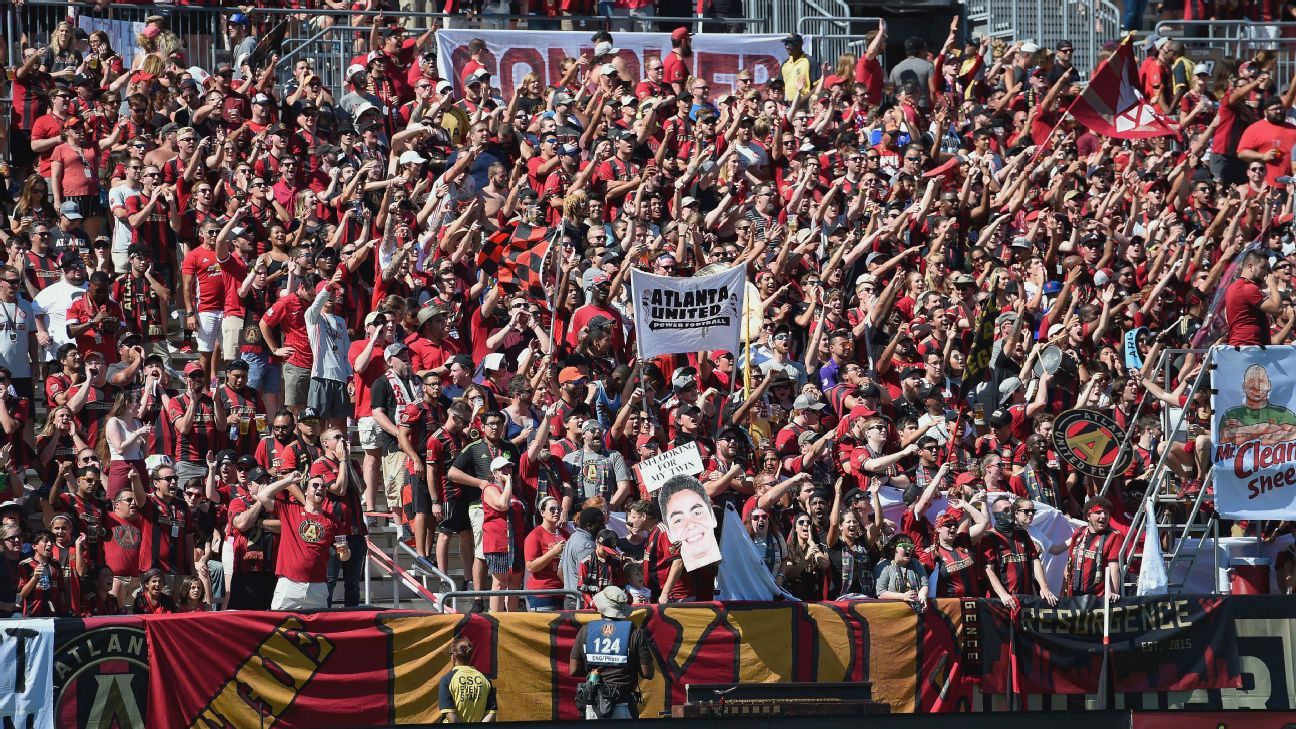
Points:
(61, 59)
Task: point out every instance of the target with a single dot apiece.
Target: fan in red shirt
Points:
(199, 421)
(95, 320)
(307, 533)
(1247, 307)
(168, 527)
(542, 548)
(1094, 550)
(289, 315)
(91, 400)
(1012, 562)
(123, 535)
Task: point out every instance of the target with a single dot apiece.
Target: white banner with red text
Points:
(512, 54)
(1253, 431)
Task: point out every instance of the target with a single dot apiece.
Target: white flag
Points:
(677, 315)
(1152, 574)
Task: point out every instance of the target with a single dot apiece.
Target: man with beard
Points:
(71, 372)
(676, 63)
(243, 407)
(95, 320)
(1094, 549)
(144, 299)
(598, 471)
(431, 345)
(168, 538)
(250, 549)
(199, 419)
(91, 400)
(471, 470)
(273, 452)
(806, 411)
(443, 446)
(308, 538)
(598, 306)
(123, 535)
(1012, 562)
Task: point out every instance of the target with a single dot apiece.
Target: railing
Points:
(1230, 42)
(1089, 25)
(399, 576)
(1158, 495)
(784, 16)
(452, 597)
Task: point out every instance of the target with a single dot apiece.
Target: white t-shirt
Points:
(122, 232)
(16, 323)
(53, 303)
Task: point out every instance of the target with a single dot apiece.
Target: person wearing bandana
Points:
(1012, 561)
(1094, 549)
(958, 558)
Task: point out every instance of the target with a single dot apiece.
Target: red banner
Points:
(356, 668)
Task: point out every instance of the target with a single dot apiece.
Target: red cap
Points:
(965, 478)
(946, 518)
(644, 440)
(193, 368)
(680, 34)
(832, 80)
(602, 278)
(73, 122)
(946, 169)
(570, 374)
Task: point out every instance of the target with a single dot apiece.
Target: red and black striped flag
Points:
(515, 256)
(524, 270)
(508, 239)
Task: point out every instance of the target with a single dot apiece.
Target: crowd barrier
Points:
(366, 668)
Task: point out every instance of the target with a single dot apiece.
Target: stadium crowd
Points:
(212, 281)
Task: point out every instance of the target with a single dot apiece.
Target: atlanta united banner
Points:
(1253, 429)
(676, 315)
(512, 54)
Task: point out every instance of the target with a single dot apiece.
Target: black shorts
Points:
(251, 590)
(20, 147)
(25, 387)
(90, 205)
(455, 516)
(416, 499)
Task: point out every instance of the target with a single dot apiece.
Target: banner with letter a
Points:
(512, 54)
(26, 673)
(677, 315)
(1253, 430)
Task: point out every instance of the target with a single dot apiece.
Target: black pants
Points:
(251, 590)
(351, 571)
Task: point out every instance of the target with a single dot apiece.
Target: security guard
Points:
(467, 696)
(613, 655)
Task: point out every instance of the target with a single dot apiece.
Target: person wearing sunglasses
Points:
(1013, 565)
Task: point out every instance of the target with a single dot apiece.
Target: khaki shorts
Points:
(476, 516)
(393, 471)
(294, 595)
(368, 430)
(231, 331)
(296, 384)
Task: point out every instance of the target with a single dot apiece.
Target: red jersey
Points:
(1012, 556)
(305, 541)
(363, 380)
(44, 601)
(95, 410)
(273, 456)
(208, 282)
(165, 526)
(202, 437)
(254, 550)
(538, 542)
(1087, 567)
(659, 556)
(241, 410)
(121, 546)
(101, 338)
(289, 314)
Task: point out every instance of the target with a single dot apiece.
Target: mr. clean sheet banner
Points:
(675, 315)
(26, 673)
(1254, 432)
(513, 54)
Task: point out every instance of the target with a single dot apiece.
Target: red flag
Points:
(1112, 104)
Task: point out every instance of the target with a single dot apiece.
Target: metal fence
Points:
(1089, 24)
(1230, 42)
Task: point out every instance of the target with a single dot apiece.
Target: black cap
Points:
(258, 474)
(793, 39)
(226, 456)
(608, 538)
(854, 495)
(246, 463)
(1000, 418)
(308, 413)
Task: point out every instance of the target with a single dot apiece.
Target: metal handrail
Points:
(424, 565)
(451, 597)
(399, 575)
(1138, 523)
